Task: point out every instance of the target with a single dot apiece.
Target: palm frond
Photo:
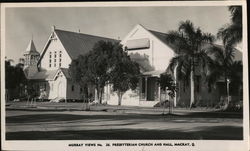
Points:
(187, 29)
(204, 60)
(215, 72)
(236, 14)
(173, 63)
(178, 41)
(217, 53)
(230, 34)
(208, 37)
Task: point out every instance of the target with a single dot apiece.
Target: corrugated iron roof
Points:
(65, 71)
(77, 43)
(162, 37)
(44, 75)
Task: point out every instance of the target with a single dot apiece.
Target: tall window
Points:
(55, 56)
(72, 88)
(60, 58)
(49, 59)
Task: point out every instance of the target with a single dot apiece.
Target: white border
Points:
(209, 145)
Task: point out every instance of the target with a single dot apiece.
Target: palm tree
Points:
(188, 42)
(225, 67)
(232, 33)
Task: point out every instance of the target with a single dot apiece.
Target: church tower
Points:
(31, 57)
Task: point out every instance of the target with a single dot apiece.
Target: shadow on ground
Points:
(69, 117)
(212, 133)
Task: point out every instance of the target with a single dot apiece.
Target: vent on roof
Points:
(142, 43)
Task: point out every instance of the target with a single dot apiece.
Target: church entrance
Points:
(148, 89)
(60, 90)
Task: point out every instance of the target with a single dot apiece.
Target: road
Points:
(72, 125)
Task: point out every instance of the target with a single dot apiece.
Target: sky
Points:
(22, 24)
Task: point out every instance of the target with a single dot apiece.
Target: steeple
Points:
(31, 49)
(31, 57)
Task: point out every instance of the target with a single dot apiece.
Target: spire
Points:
(31, 48)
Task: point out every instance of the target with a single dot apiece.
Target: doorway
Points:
(60, 90)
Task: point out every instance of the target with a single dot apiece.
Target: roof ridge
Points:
(84, 34)
(157, 32)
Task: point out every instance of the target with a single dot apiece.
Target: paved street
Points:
(70, 125)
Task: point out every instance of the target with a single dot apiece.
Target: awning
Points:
(155, 73)
(137, 44)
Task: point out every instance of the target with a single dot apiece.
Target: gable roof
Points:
(162, 37)
(50, 74)
(44, 75)
(66, 73)
(77, 43)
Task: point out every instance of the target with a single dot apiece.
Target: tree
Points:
(79, 72)
(9, 75)
(225, 67)
(124, 74)
(21, 60)
(167, 84)
(142, 60)
(94, 67)
(14, 77)
(232, 33)
(107, 63)
(188, 41)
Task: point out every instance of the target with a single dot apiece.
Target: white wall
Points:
(57, 46)
(159, 57)
(159, 53)
(52, 89)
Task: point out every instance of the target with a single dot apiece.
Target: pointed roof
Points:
(44, 75)
(31, 49)
(50, 74)
(162, 37)
(77, 43)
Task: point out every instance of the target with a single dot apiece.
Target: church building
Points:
(49, 71)
(152, 51)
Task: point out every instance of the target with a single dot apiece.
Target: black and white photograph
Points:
(124, 76)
